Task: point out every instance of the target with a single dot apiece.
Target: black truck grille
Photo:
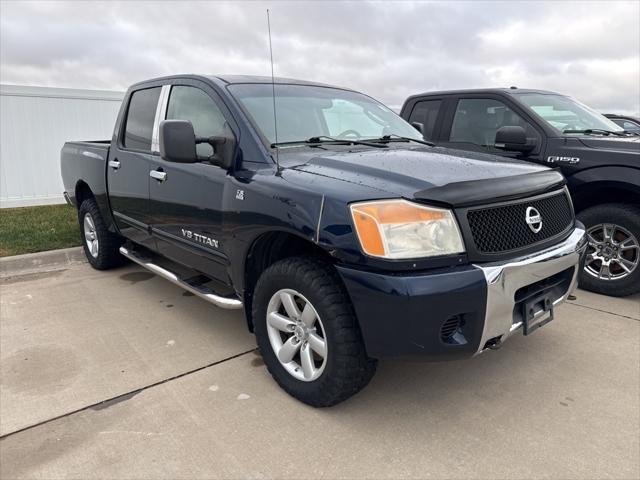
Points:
(503, 228)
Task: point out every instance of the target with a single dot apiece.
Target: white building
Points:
(34, 124)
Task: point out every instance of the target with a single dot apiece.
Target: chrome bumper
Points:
(505, 278)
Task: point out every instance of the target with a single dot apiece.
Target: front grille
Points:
(503, 228)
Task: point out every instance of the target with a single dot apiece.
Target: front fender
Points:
(604, 185)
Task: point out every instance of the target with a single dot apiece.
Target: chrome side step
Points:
(222, 302)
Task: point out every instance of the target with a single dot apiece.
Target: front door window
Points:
(477, 120)
(193, 104)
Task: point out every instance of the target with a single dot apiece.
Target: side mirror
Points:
(177, 141)
(224, 148)
(418, 126)
(513, 138)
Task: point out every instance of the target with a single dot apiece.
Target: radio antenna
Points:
(273, 92)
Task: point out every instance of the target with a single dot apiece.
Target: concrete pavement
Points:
(120, 375)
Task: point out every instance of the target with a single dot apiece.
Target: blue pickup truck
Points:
(344, 235)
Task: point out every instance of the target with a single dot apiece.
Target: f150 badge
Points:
(556, 159)
(203, 239)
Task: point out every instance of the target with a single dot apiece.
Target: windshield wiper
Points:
(398, 138)
(589, 131)
(325, 140)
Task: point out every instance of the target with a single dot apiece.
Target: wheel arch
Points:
(269, 248)
(82, 192)
(602, 192)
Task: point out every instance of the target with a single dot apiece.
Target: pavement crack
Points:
(113, 401)
(603, 311)
(101, 405)
(130, 432)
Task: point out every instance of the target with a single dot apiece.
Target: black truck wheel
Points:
(308, 334)
(100, 245)
(612, 265)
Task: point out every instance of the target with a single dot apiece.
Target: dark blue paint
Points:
(400, 303)
(401, 315)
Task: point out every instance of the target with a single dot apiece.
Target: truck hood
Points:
(630, 144)
(440, 175)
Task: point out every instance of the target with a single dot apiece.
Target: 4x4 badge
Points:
(533, 219)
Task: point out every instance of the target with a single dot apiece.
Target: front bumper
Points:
(460, 311)
(506, 281)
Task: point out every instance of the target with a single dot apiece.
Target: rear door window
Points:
(426, 113)
(140, 118)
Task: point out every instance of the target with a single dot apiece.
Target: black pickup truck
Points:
(344, 235)
(600, 160)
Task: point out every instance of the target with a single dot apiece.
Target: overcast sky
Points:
(388, 49)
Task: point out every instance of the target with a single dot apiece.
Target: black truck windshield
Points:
(566, 114)
(304, 112)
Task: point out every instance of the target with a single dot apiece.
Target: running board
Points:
(222, 302)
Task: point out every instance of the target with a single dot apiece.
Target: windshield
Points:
(304, 112)
(565, 113)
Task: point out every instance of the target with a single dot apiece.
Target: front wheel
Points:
(308, 334)
(612, 264)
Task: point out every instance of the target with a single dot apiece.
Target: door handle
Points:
(115, 164)
(158, 175)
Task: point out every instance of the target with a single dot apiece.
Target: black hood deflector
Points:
(490, 190)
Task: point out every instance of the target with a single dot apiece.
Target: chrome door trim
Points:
(161, 112)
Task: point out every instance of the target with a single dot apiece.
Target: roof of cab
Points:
(506, 90)
(234, 79)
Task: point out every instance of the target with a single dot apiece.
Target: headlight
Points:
(401, 229)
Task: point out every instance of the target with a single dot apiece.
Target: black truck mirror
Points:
(513, 138)
(418, 126)
(223, 150)
(177, 141)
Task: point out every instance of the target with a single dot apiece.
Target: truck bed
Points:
(85, 163)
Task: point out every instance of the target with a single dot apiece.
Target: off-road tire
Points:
(628, 217)
(108, 242)
(348, 368)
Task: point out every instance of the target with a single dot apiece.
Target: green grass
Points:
(35, 229)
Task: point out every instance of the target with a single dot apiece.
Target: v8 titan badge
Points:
(211, 242)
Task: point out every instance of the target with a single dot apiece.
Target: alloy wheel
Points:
(613, 252)
(296, 335)
(90, 235)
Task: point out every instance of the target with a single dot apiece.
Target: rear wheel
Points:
(308, 334)
(612, 264)
(101, 246)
